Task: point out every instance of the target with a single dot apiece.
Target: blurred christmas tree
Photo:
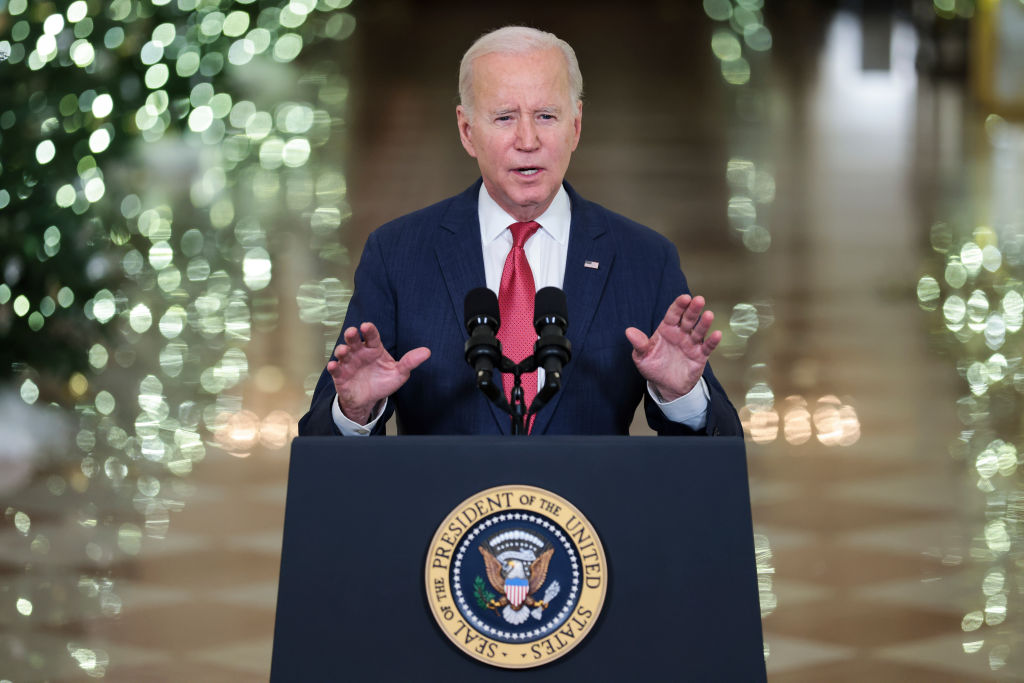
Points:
(150, 153)
(82, 85)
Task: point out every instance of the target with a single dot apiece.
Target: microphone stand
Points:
(517, 410)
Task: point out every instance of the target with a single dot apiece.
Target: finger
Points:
(703, 325)
(641, 343)
(674, 314)
(371, 336)
(334, 365)
(413, 358)
(351, 336)
(711, 343)
(691, 315)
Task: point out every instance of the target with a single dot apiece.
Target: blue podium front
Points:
(363, 530)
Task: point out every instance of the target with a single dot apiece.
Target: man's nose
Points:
(526, 134)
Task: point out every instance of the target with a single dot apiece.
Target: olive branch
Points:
(480, 592)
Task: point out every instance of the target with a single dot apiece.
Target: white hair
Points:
(516, 40)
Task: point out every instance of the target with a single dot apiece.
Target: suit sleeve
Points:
(373, 300)
(722, 419)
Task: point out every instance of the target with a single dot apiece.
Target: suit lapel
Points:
(459, 255)
(587, 266)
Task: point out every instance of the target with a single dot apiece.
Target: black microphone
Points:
(552, 350)
(483, 350)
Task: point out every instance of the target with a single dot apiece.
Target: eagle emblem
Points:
(506, 582)
(516, 562)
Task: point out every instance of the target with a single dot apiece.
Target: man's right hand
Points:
(364, 372)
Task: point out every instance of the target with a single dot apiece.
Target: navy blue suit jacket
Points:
(412, 281)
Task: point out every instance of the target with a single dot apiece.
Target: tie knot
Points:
(522, 232)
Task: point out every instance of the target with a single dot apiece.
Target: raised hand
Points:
(364, 372)
(673, 358)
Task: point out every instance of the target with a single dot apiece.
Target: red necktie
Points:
(515, 300)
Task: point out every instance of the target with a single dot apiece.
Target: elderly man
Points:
(520, 228)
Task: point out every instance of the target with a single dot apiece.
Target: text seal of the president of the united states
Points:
(516, 576)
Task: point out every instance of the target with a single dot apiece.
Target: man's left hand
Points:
(673, 358)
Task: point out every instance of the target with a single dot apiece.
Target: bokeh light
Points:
(171, 259)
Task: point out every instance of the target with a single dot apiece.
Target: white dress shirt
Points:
(546, 251)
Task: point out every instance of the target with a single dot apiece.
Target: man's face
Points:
(523, 128)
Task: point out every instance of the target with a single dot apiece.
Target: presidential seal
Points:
(516, 576)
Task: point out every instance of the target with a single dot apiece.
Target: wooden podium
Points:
(673, 515)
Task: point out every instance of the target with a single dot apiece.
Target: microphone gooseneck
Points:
(483, 350)
(552, 349)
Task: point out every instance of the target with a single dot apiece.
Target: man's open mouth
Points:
(528, 170)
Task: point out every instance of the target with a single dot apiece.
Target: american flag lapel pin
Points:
(591, 264)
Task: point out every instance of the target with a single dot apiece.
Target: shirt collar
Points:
(554, 221)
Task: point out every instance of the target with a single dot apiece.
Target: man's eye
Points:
(503, 118)
(547, 117)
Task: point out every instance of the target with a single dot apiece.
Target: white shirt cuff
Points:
(690, 409)
(350, 428)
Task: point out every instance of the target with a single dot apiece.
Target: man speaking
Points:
(634, 328)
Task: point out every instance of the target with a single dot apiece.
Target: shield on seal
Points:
(516, 590)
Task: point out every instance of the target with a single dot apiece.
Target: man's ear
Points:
(577, 124)
(465, 130)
